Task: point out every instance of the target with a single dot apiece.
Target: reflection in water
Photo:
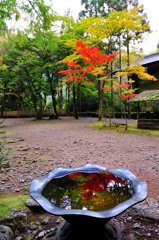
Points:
(88, 191)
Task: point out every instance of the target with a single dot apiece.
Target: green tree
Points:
(112, 33)
(34, 58)
(102, 8)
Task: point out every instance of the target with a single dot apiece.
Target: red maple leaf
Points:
(91, 57)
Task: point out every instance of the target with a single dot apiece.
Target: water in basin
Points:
(88, 191)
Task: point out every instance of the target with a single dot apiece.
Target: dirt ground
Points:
(38, 147)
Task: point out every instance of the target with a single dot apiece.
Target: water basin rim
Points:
(37, 185)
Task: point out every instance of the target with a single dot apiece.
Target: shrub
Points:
(3, 151)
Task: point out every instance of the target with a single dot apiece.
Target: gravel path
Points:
(40, 146)
(121, 121)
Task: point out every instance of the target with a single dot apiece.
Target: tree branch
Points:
(34, 9)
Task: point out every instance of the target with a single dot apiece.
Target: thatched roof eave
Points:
(145, 96)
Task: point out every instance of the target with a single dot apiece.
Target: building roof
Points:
(151, 95)
(149, 59)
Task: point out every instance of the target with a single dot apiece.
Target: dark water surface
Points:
(88, 191)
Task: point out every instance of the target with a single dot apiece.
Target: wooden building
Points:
(148, 109)
(151, 63)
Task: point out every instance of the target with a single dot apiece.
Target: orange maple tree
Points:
(92, 59)
(93, 63)
(125, 86)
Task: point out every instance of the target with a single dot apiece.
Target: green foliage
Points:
(101, 8)
(89, 98)
(31, 68)
(6, 11)
(30, 57)
(48, 105)
(3, 151)
(9, 202)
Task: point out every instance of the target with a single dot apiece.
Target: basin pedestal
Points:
(67, 231)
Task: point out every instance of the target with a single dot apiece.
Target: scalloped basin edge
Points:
(38, 184)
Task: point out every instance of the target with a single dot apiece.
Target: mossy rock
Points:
(6, 233)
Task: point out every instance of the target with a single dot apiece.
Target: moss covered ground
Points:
(132, 128)
(8, 202)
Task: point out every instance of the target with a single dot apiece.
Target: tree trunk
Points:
(74, 103)
(138, 114)
(120, 90)
(68, 105)
(53, 99)
(38, 116)
(112, 97)
(18, 98)
(60, 98)
(126, 123)
(100, 96)
(53, 92)
(108, 110)
(34, 99)
(79, 98)
(40, 110)
(128, 77)
(22, 104)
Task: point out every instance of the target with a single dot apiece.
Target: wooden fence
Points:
(45, 113)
